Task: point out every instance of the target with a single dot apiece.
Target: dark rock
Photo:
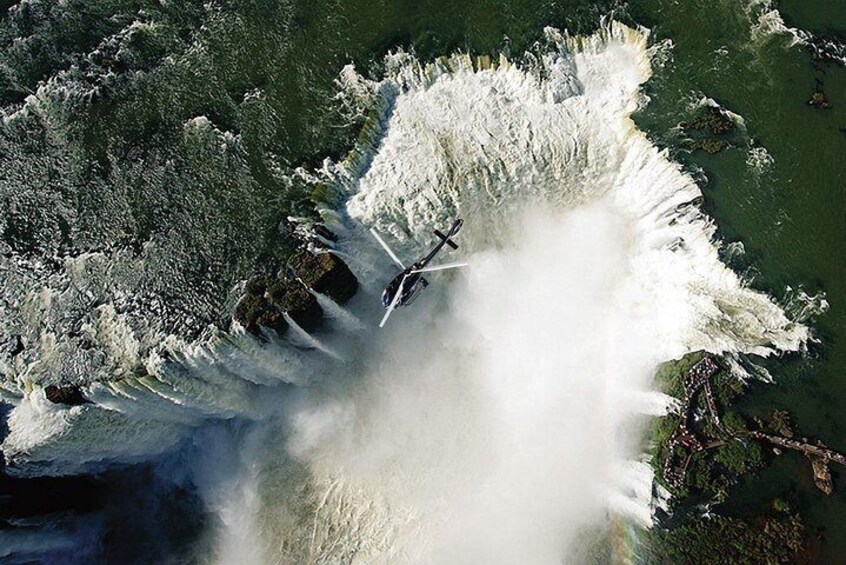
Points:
(323, 231)
(325, 273)
(707, 145)
(257, 285)
(14, 345)
(70, 395)
(714, 120)
(711, 130)
(819, 100)
(292, 297)
(266, 301)
(255, 312)
(248, 310)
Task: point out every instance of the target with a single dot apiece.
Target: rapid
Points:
(499, 418)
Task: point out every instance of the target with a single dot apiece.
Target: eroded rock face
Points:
(267, 298)
(289, 295)
(69, 395)
(254, 312)
(325, 273)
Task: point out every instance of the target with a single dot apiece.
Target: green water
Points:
(205, 59)
(791, 220)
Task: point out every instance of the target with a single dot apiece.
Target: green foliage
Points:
(739, 457)
(670, 375)
(727, 388)
(776, 538)
(699, 473)
(712, 472)
(733, 422)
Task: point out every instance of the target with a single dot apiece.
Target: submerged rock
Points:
(819, 100)
(70, 395)
(709, 129)
(707, 145)
(325, 273)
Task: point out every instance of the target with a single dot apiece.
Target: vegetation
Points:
(712, 471)
(777, 537)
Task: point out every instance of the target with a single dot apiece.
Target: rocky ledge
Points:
(324, 273)
(69, 395)
(710, 130)
(268, 299)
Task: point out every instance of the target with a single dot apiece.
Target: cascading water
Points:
(501, 415)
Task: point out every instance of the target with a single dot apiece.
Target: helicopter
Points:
(409, 283)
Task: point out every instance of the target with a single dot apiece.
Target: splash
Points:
(759, 161)
(766, 24)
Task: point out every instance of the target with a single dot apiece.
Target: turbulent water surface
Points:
(499, 420)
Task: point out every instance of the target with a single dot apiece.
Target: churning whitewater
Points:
(500, 417)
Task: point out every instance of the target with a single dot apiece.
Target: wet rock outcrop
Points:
(291, 296)
(710, 130)
(819, 100)
(714, 120)
(325, 273)
(69, 395)
(254, 312)
(268, 299)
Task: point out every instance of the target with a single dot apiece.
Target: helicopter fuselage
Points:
(410, 283)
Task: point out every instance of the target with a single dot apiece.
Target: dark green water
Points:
(791, 220)
(118, 166)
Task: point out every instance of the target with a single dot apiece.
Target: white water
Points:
(766, 23)
(500, 416)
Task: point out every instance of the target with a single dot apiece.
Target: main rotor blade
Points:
(440, 268)
(393, 302)
(386, 248)
(385, 319)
